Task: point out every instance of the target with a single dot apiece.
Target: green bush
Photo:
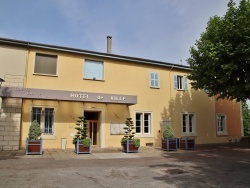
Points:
(168, 132)
(246, 118)
(129, 134)
(34, 131)
(136, 143)
(86, 142)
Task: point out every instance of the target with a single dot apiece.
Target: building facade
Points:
(54, 85)
(13, 67)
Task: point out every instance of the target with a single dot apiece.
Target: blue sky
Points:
(162, 30)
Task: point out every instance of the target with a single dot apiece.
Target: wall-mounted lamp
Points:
(1, 81)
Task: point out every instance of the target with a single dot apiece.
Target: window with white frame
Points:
(188, 123)
(93, 70)
(154, 79)
(180, 82)
(45, 118)
(45, 64)
(142, 123)
(221, 124)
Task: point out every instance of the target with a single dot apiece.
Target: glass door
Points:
(93, 131)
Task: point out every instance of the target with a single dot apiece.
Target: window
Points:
(221, 124)
(45, 117)
(93, 70)
(45, 64)
(36, 115)
(188, 123)
(143, 123)
(180, 82)
(154, 80)
(48, 120)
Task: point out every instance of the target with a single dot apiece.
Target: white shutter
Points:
(185, 83)
(154, 79)
(175, 82)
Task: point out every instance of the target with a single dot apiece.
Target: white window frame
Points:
(48, 55)
(142, 123)
(218, 124)
(42, 119)
(154, 80)
(180, 82)
(187, 132)
(89, 72)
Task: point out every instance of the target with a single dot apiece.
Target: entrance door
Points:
(93, 131)
(92, 119)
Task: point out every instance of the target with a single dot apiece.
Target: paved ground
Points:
(207, 166)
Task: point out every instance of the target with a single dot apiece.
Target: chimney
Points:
(109, 44)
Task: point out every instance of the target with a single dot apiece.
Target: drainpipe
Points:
(241, 120)
(170, 91)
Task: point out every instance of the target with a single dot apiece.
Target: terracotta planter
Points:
(128, 147)
(169, 144)
(187, 143)
(79, 149)
(34, 147)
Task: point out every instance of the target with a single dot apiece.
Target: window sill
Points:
(188, 134)
(154, 87)
(143, 135)
(221, 134)
(181, 89)
(92, 79)
(40, 74)
(48, 137)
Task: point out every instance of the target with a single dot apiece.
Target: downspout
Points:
(241, 120)
(24, 86)
(26, 67)
(170, 91)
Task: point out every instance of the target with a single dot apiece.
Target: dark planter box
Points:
(128, 147)
(34, 147)
(169, 144)
(79, 149)
(187, 143)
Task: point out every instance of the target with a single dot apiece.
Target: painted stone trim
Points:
(31, 93)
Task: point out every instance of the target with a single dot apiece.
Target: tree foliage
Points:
(246, 118)
(220, 59)
(81, 132)
(34, 131)
(168, 132)
(129, 133)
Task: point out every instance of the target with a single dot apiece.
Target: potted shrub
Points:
(168, 141)
(128, 142)
(33, 143)
(81, 141)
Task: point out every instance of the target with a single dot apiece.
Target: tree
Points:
(34, 131)
(246, 118)
(81, 134)
(220, 59)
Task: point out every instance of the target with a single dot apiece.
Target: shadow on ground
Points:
(225, 165)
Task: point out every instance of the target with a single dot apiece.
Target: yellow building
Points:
(55, 85)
